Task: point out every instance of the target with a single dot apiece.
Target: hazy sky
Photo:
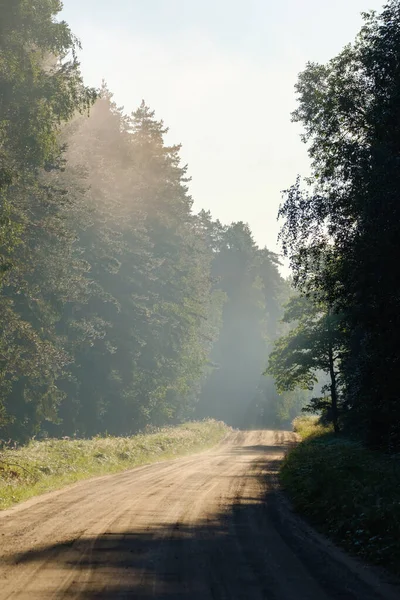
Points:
(221, 74)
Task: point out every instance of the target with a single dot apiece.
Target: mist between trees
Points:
(120, 307)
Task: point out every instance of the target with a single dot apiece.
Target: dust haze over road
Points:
(210, 526)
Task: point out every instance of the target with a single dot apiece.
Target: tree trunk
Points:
(334, 398)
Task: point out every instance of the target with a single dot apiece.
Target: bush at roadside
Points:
(348, 492)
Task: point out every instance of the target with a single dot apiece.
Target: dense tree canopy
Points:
(40, 90)
(341, 231)
(120, 307)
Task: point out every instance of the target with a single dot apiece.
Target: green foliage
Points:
(150, 267)
(312, 347)
(350, 493)
(46, 465)
(41, 89)
(117, 301)
(341, 234)
(40, 82)
(341, 231)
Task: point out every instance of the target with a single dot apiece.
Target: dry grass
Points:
(308, 426)
(47, 465)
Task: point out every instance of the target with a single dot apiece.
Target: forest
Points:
(120, 306)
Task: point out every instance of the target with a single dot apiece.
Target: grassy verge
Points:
(47, 465)
(348, 492)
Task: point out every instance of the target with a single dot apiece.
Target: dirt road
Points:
(210, 526)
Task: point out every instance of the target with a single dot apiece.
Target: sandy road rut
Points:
(207, 526)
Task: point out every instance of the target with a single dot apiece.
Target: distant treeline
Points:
(119, 306)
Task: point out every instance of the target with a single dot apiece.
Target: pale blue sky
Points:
(221, 74)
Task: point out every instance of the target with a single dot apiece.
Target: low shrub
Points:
(350, 493)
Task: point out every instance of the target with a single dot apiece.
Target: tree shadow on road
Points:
(250, 551)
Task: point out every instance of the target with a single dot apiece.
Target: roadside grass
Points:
(348, 492)
(42, 466)
(308, 426)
